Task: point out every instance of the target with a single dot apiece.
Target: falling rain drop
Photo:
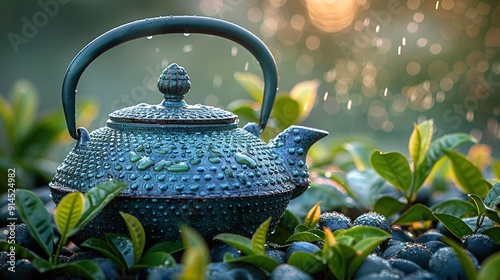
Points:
(399, 50)
(246, 66)
(325, 96)
(349, 104)
(234, 51)
(385, 92)
(437, 4)
(149, 37)
(403, 41)
(470, 116)
(377, 29)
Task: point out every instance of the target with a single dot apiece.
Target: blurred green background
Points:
(381, 65)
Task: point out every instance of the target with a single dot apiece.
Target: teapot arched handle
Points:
(168, 25)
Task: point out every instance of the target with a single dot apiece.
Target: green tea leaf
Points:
(303, 236)
(481, 208)
(388, 206)
(7, 118)
(261, 261)
(84, 268)
(37, 219)
(493, 197)
(137, 235)
(455, 207)
(359, 155)
(495, 168)
(97, 198)
(494, 233)
(155, 259)
(259, 238)
(166, 247)
(366, 186)
(363, 249)
(467, 176)
(286, 111)
(307, 262)
(21, 252)
(416, 213)
(122, 246)
(312, 218)
(359, 233)
(455, 225)
(196, 257)
(104, 249)
(420, 141)
(68, 212)
(285, 228)
(305, 94)
(463, 258)
(492, 214)
(434, 153)
(252, 83)
(241, 243)
(490, 268)
(25, 104)
(335, 261)
(394, 168)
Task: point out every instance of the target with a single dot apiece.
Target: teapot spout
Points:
(292, 146)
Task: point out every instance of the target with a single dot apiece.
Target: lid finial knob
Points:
(174, 83)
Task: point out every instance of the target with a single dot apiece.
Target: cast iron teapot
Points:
(183, 163)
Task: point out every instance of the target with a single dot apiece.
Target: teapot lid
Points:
(174, 84)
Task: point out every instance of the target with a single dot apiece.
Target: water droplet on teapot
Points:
(145, 163)
(244, 159)
(149, 37)
(186, 34)
(178, 167)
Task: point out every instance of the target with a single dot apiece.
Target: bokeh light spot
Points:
(435, 48)
(413, 68)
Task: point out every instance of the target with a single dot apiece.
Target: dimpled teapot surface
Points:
(183, 163)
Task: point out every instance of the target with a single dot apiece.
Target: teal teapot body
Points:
(183, 164)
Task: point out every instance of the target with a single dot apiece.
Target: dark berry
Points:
(401, 235)
(405, 266)
(108, 267)
(334, 221)
(160, 273)
(445, 263)
(480, 245)
(289, 272)
(372, 264)
(24, 238)
(373, 219)
(393, 249)
(220, 249)
(416, 253)
(422, 275)
(429, 236)
(433, 246)
(382, 275)
(23, 269)
(233, 271)
(300, 247)
(277, 254)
